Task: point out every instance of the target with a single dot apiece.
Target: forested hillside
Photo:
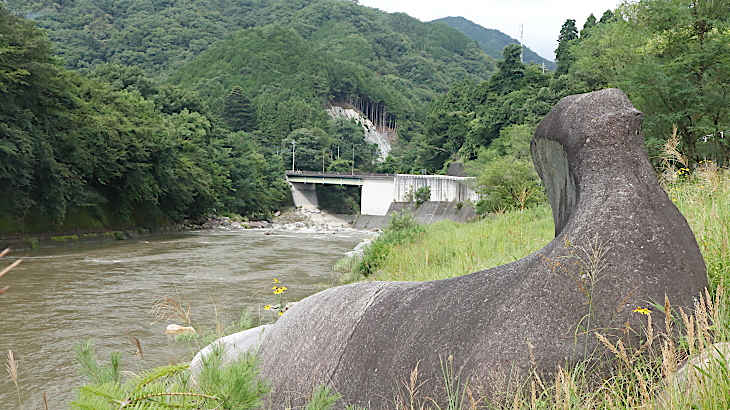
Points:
(492, 41)
(290, 60)
(336, 52)
(153, 35)
(80, 152)
(156, 134)
(184, 108)
(672, 57)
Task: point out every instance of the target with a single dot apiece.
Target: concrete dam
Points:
(379, 191)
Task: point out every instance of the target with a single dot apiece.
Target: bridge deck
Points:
(328, 178)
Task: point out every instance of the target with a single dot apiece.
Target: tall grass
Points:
(447, 249)
(704, 199)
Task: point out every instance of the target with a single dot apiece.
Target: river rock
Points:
(257, 225)
(619, 243)
(233, 346)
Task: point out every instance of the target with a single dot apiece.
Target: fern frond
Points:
(163, 372)
(90, 367)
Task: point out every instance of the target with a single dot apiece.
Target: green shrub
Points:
(233, 386)
(33, 243)
(508, 183)
(402, 229)
(323, 398)
(423, 194)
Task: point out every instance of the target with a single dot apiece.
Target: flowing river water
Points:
(105, 292)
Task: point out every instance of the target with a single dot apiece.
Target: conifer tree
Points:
(568, 34)
(607, 17)
(238, 112)
(511, 71)
(587, 26)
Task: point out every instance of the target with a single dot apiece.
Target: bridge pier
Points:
(304, 195)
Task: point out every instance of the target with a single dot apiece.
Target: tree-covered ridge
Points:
(492, 41)
(113, 150)
(328, 51)
(291, 59)
(155, 35)
(158, 35)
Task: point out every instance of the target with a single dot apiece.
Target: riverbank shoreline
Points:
(292, 220)
(52, 239)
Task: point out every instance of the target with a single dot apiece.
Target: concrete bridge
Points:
(379, 191)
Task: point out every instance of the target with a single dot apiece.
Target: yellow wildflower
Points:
(267, 307)
(281, 313)
(643, 311)
(276, 280)
(284, 288)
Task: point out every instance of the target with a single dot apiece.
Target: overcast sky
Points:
(542, 18)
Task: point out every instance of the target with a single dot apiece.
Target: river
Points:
(106, 291)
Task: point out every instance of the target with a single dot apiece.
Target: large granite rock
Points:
(619, 243)
(231, 347)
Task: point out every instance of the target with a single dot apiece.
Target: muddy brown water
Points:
(105, 292)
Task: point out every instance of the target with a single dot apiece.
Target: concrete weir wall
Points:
(427, 213)
(379, 191)
(443, 188)
(377, 195)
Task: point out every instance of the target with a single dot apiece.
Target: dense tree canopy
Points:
(107, 153)
(672, 57)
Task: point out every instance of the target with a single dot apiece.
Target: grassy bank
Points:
(447, 249)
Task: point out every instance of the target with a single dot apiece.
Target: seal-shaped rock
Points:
(619, 243)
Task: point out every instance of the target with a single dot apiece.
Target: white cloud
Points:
(542, 19)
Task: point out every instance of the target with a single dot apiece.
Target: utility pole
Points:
(543, 68)
(352, 172)
(293, 144)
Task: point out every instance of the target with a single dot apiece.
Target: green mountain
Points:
(492, 41)
(335, 51)
(151, 34)
(287, 53)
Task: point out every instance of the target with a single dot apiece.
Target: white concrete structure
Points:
(444, 188)
(377, 195)
(379, 191)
